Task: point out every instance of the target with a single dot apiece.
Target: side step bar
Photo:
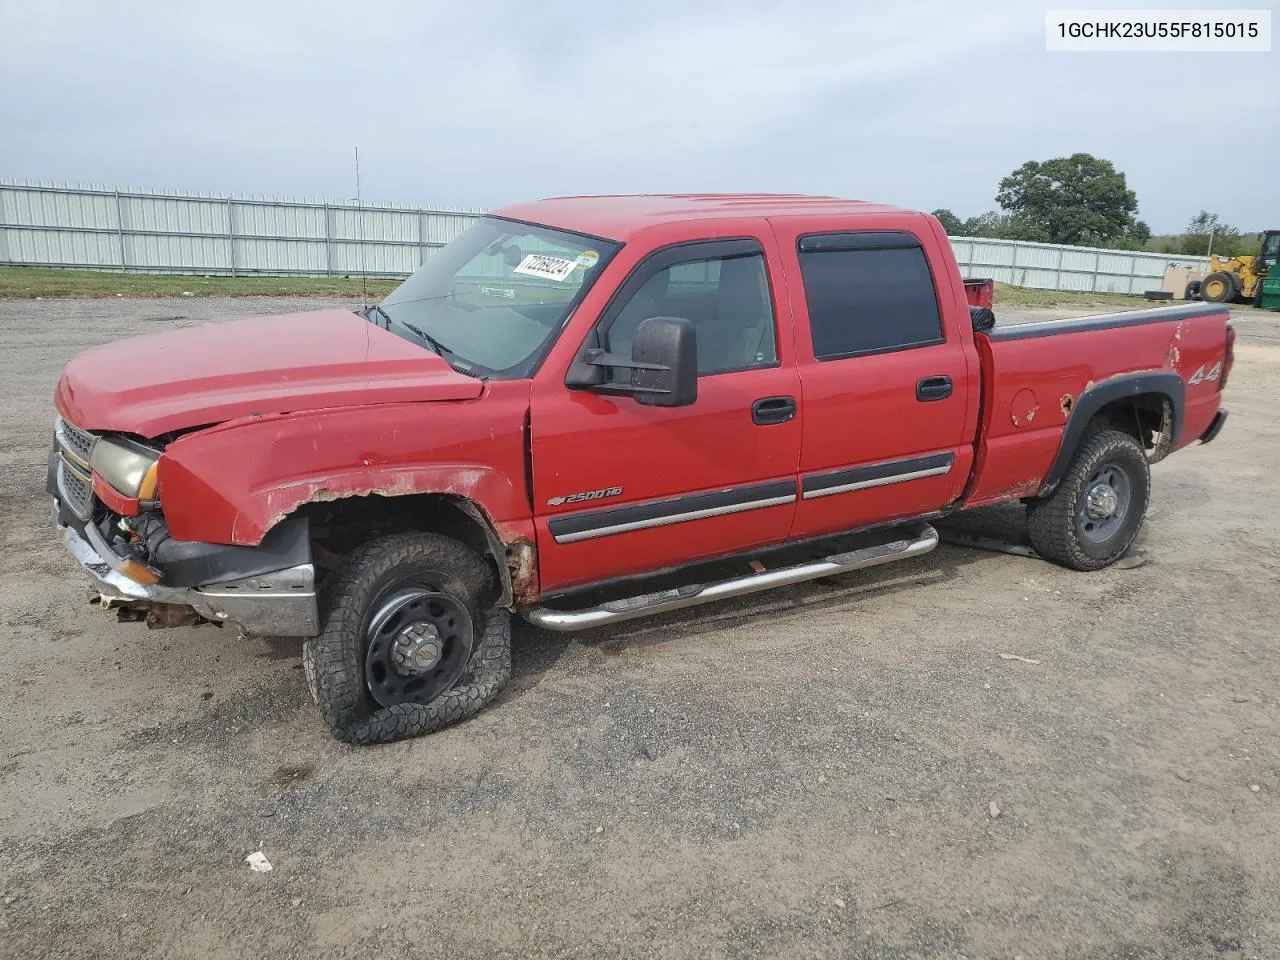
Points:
(919, 539)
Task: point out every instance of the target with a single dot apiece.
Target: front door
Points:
(622, 488)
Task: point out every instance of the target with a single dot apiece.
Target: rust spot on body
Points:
(1025, 488)
(287, 498)
(1172, 354)
(522, 561)
(1022, 410)
(1066, 403)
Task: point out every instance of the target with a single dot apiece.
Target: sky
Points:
(476, 104)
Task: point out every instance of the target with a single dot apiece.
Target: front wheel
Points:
(406, 646)
(1093, 517)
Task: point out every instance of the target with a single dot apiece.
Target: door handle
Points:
(933, 388)
(773, 410)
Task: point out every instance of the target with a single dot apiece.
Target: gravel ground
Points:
(845, 769)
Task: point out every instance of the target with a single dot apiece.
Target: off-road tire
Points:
(333, 661)
(1052, 522)
(1228, 284)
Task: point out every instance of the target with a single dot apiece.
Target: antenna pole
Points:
(364, 271)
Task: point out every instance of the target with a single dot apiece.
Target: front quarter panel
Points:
(232, 483)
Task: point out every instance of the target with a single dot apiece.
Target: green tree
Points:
(1080, 199)
(1001, 226)
(950, 222)
(1227, 240)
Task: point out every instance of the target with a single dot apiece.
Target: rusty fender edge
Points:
(519, 572)
(1097, 395)
(514, 553)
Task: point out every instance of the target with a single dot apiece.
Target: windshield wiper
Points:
(448, 355)
(429, 340)
(374, 308)
(435, 345)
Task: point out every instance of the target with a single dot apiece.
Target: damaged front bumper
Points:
(273, 603)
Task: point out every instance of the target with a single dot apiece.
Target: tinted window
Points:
(695, 276)
(869, 300)
(726, 299)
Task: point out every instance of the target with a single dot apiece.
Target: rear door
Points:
(622, 488)
(888, 391)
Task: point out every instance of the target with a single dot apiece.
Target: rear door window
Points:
(868, 293)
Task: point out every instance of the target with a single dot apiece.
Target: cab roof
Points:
(619, 216)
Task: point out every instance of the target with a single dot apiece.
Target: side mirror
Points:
(982, 319)
(664, 362)
(663, 365)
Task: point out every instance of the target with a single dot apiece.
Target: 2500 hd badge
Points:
(587, 495)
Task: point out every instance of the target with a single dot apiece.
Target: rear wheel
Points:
(1094, 515)
(1218, 288)
(406, 646)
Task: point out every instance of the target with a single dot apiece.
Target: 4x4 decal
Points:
(1204, 376)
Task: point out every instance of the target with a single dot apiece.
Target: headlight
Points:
(129, 467)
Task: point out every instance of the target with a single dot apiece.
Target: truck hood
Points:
(208, 374)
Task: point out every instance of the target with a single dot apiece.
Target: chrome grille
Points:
(77, 444)
(75, 482)
(76, 489)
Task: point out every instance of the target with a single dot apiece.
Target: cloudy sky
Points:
(924, 104)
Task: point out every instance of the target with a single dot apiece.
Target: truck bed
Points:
(1029, 392)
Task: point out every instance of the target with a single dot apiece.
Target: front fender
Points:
(232, 483)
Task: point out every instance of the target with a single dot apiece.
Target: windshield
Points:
(493, 299)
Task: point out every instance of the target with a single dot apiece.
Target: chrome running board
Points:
(919, 539)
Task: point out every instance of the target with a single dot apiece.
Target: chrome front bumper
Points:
(281, 603)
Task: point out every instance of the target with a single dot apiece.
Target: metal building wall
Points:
(104, 228)
(1047, 266)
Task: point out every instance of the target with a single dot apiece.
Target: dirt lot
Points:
(808, 774)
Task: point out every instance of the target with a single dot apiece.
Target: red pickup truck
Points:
(588, 409)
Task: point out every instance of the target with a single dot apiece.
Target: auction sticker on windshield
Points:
(549, 268)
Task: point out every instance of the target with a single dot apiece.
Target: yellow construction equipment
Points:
(1239, 279)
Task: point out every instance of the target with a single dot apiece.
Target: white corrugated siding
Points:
(95, 227)
(262, 220)
(61, 248)
(1047, 266)
(71, 225)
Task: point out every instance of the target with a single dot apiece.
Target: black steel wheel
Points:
(408, 641)
(1093, 516)
(419, 642)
